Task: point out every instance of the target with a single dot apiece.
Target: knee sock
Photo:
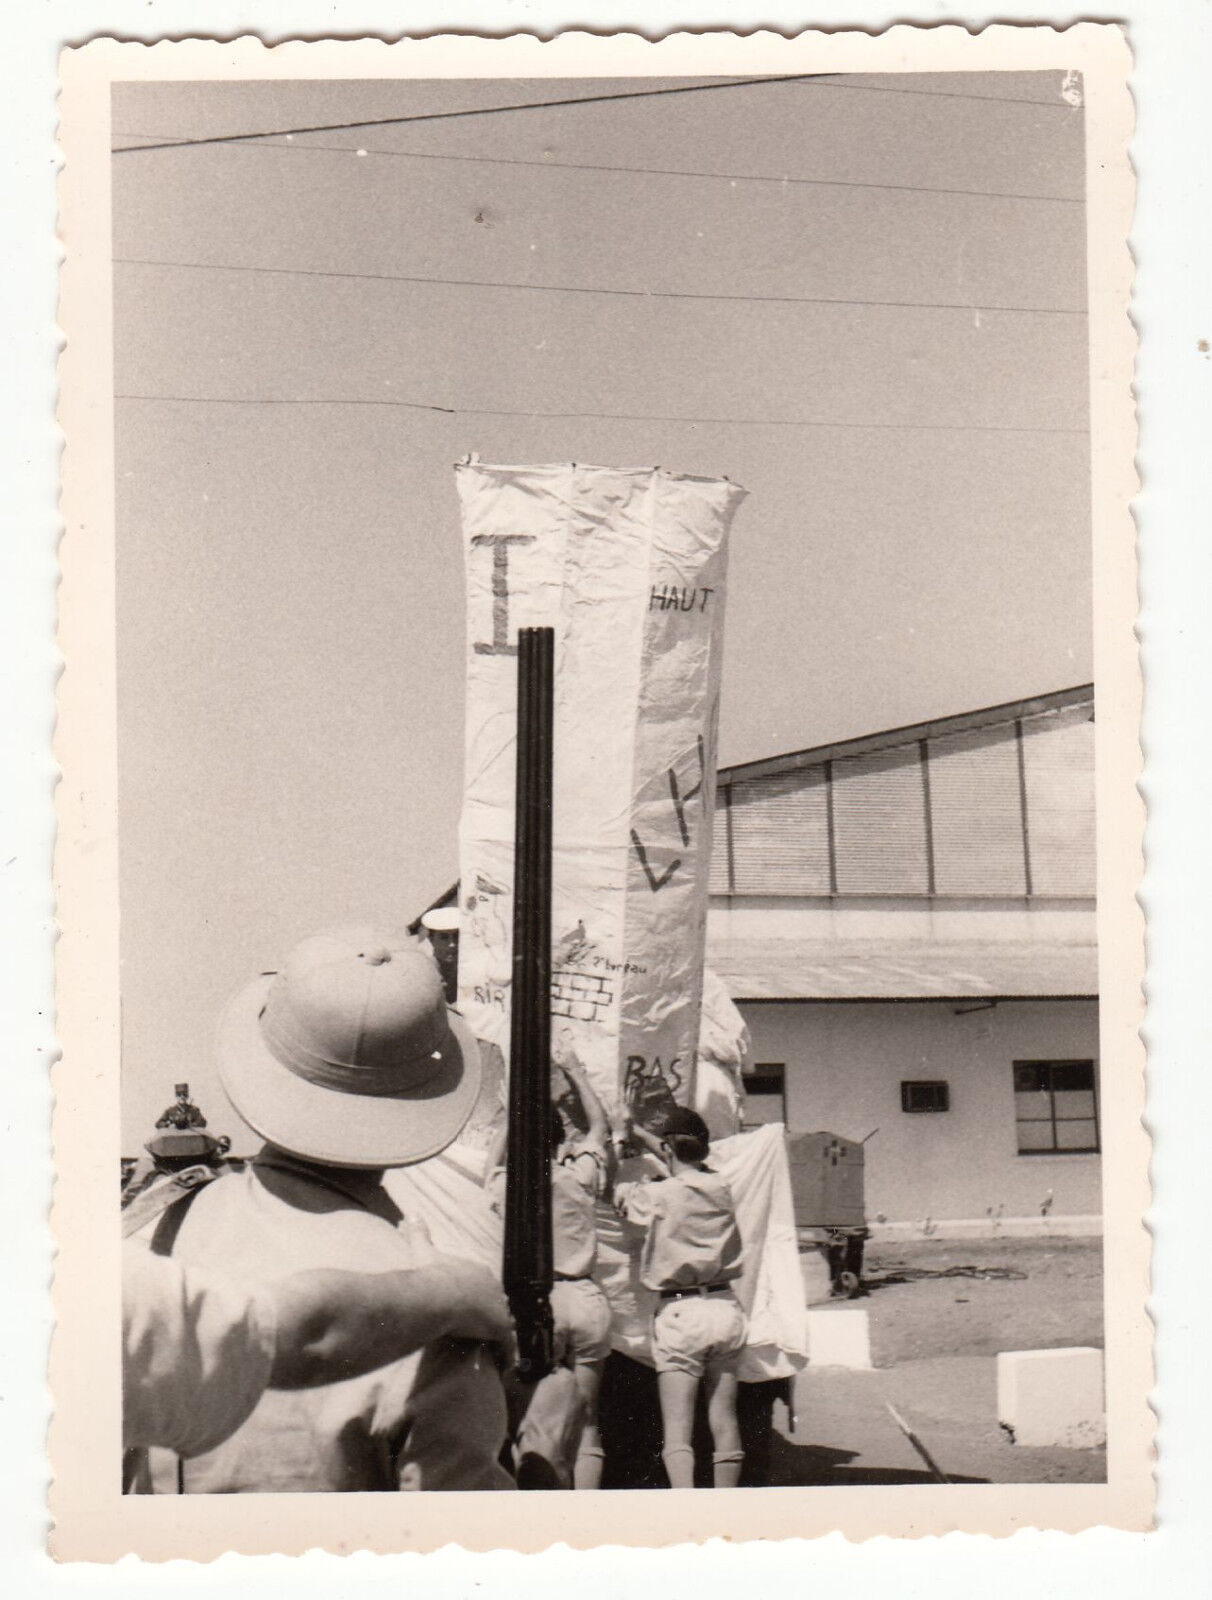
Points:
(726, 1468)
(679, 1464)
(587, 1473)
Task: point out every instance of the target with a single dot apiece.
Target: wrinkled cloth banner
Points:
(447, 1196)
(629, 569)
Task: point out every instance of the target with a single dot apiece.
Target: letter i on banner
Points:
(629, 569)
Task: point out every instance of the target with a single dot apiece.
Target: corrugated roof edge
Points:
(988, 716)
(1035, 705)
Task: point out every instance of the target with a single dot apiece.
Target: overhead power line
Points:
(824, 81)
(817, 79)
(593, 416)
(467, 111)
(655, 172)
(563, 288)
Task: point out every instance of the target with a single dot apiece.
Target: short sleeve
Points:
(638, 1201)
(495, 1189)
(196, 1354)
(587, 1163)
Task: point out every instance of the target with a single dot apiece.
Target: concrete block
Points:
(1052, 1397)
(838, 1336)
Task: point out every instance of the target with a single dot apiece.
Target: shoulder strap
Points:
(161, 1198)
(169, 1225)
(170, 1202)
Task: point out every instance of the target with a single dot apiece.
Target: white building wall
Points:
(844, 1065)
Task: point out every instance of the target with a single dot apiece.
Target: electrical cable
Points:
(657, 172)
(467, 111)
(591, 416)
(564, 288)
(817, 79)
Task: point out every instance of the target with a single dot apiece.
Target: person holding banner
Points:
(691, 1257)
(581, 1174)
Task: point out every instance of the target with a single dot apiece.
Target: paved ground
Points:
(933, 1343)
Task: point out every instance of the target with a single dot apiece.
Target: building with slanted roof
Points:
(906, 921)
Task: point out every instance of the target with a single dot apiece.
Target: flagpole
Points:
(527, 1266)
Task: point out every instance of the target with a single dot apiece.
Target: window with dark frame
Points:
(925, 1094)
(1055, 1108)
(765, 1093)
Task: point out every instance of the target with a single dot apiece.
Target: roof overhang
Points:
(904, 969)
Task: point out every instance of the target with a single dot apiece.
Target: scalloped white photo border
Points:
(93, 1521)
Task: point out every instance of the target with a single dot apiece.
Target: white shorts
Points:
(582, 1318)
(697, 1334)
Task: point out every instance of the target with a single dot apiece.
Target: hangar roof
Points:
(995, 804)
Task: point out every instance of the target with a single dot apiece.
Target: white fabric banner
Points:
(719, 1087)
(629, 569)
(446, 1196)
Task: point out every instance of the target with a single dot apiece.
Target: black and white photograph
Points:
(609, 771)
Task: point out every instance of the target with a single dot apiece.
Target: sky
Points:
(862, 298)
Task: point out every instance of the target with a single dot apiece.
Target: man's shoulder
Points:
(708, 1182)
(144, 1211)
(587, 1154)
(240, 1223)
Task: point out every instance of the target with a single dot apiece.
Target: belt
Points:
(693, 1289)
(573, 1277)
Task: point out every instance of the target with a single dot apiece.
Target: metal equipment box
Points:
(827, 1182)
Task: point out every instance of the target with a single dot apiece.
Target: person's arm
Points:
(333, 1325)
(198, 1352)
(650, 1142)
(595, 1160)
(635, 1199)
(595, 1113)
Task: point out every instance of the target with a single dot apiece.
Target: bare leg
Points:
(588, 1470)
(727, 1455)
(678, 1392)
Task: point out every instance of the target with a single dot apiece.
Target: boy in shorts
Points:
(691, 1256)
(581, 1167)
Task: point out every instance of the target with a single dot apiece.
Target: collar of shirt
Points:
(699, 1178)
(307, 1186)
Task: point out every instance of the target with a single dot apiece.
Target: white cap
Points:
(442, 919)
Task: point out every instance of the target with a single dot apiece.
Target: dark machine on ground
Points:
(827, 1189)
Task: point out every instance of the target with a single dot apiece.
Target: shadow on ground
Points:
(822, 1466)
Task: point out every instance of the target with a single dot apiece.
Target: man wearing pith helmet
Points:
(346, 1062)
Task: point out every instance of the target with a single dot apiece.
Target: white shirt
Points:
(691, 1234)
(196, 1354)
(432, 1420)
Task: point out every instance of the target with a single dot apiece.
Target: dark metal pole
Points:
(528, 1257)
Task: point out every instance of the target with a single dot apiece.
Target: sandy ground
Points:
(934, 1343)
(1058, 1302)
